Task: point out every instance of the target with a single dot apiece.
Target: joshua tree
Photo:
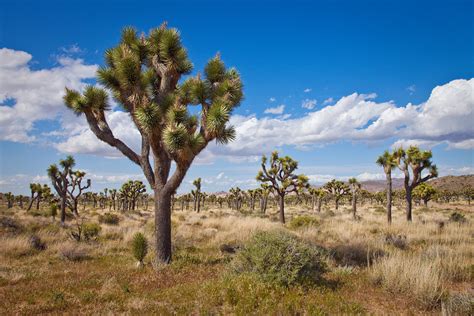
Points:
(316, 195)
(37, 191)
(253, 194)
(144, 73)
(414, 160)
(337, 189)
(354, 185)
(130, 192)
(10, 199)
(19, 199)
(75, 189)
(197, 195)
(113, 195)
(280, 175)
(425, 192)
(468, 194)
(265, 190)
(388, 162)
(60, 181)
(235, 198)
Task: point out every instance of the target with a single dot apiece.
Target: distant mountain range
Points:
(454, 183)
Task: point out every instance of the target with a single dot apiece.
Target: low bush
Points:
(458, 304)
(91, 231)
(398, 241)
(355, 254)
(303, 221)
(36, 243)
(280, 257)
(109, 218)
(73, 252)
(457, 217)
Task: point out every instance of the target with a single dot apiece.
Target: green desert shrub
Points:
(139, 247)
(110, 219)
(90, 231)
(457, 217)
(280, 257)
(303, 221)
(53, 210)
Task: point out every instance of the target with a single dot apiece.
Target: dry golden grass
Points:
(411, 267)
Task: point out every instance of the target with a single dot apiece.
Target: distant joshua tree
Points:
(425, 192)
(412, 162)
(145, 75)
(280, 175)
(10, 199)
(337, 189)
(75, 189)
(60, 181)
(388, 162)
(354, 185)
(197, 195)
(265, 190)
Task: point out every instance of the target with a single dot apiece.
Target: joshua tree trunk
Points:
(320, 200)
(32, 199)
(163, 226)
(425, 202)
(198, 203)
(409, 203)
(354, 205)
(37, 203)
(389, 197)
(282, 208)
(63, 210)
(337, 204)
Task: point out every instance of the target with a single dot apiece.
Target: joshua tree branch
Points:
(106, 135)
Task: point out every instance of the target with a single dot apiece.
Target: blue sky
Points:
(297, 58)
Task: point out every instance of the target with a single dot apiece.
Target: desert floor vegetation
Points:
(364, 266)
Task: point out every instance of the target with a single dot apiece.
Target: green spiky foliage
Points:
(60, 180)
(139, 248)
(197, 195)
(424, 192)
(280, 174)
(76, 188)
(412, 162)
(354, 186)
(130, 193)
(387, 161)
(336, 189)
(145, 75)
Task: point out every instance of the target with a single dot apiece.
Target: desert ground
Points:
(423, 267)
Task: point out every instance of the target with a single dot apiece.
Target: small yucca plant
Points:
(140, 248)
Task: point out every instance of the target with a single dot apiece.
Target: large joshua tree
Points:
(387, 161)
(143, 73)
(280, 175)
(412, 162)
